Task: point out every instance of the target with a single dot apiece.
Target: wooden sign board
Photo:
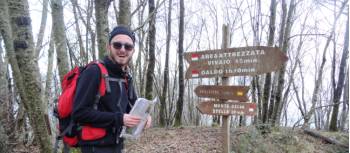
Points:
(238, 93)
(227, 108)
(240, 61)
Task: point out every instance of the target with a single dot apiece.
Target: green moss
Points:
(286, 140)
(250, 141)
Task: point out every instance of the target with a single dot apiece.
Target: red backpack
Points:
(70, 132)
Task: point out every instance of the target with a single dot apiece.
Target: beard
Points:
(120, 61)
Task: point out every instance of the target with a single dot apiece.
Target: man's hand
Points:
(149, 122)
(131, 120)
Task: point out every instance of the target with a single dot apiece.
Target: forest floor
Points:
(243, 140)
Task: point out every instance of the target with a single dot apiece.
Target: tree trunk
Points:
(300, 107)
(280, 44)
(345, 110)
(291, 76)
(90, 32)
(60, 37)
(124, 15)
(162, 111)
(3, 139)
(3, 101)
(6, 32)
(278, 99)
(151, 51)
(139, 66)
(271, 98)
(101, 14)
(291, 81)
(48, 101)
(266, 95)
(41, 33)
(4, 92)
(303, 104)
(267, 85)
(328, 116)
(258, 97)
(341, 78)
(49, 73)
(255, 98)
(83, 60)
(12, 93)
(179, 103)
(316, 89)
(23, 46)
(124, 18)
(326, 139)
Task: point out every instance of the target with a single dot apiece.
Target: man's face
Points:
(121, 49)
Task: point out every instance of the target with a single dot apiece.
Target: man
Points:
(101, 125)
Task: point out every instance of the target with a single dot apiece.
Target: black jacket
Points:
(111, 107)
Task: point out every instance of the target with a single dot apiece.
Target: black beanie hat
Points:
(121, 30)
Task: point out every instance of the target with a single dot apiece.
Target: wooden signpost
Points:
(227, 108)
(228, 62)
(238, 93)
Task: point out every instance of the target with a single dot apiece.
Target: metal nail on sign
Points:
(240, 61)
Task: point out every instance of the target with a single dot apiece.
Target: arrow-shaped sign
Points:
(227, 108)
(234, 61)
(238, 93)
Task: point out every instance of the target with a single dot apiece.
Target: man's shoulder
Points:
(91, 70)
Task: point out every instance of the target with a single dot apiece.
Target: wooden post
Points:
(257, 60)
(226, 133)
(225, 81)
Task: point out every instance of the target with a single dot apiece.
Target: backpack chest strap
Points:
(107, 79)
(108, 86)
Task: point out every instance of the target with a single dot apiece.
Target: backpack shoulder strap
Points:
(104, 84)
(117, 79)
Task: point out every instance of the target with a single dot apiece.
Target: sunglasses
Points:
(119, 45)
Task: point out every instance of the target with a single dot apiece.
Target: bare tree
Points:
(3, 100)
(90, 32)
(285, 45)
(341, 79)
(49, 75)
(26, 66)
(60, 37)
(83, 54)
(345, 110)
(124, 15)
(90, 36)
(301, 104)
(4, 140)
(320, 70)
(256, 94)
(101, 15)
(162, 111)
(179, 103)
(139, 67)
(267, 84)
(6, 32)
(151, 51)
(41, 33)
